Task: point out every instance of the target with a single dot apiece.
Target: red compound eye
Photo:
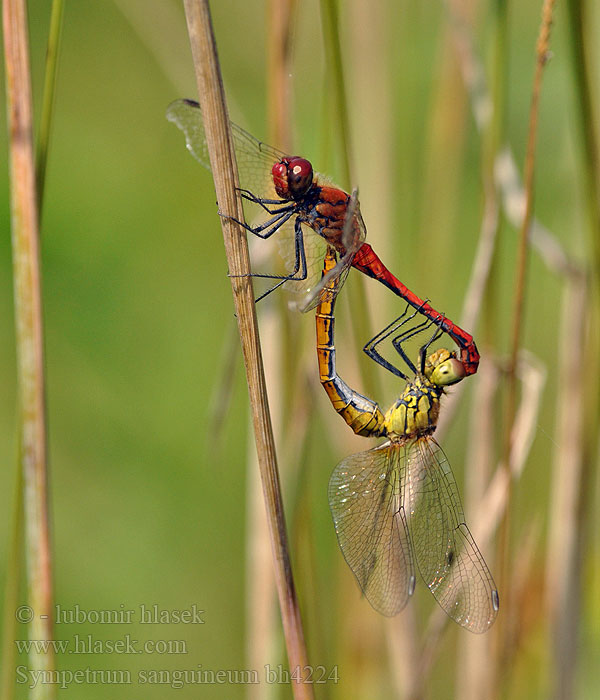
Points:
(292, 177)
(300, 176)
(280, 179)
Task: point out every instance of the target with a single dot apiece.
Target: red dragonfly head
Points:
(292, 177)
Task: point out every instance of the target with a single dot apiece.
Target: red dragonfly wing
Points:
(446, 554)
(365, 498)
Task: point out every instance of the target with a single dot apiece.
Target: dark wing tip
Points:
(173, 106)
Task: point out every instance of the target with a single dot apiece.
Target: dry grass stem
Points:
(506, 173)
(261, 625)
(222, 160)
(359, 322)
(403, 654)
(474, 657)
(337, 83)
(580, 21)
(533, 378)
(473, 299)
(29, 334)
(45, 130)
(280, 16)
(543, 241)
(542, 53)
(486, 518)
(565, 537)
(525, 587)
(262, 631)
(14, 568)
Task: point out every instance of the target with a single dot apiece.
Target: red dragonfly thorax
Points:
(292, 177)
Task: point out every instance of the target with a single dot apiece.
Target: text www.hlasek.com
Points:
(88, 644)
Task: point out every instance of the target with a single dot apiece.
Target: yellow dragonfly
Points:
(396, 507)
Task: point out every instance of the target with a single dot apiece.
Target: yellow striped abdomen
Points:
(362, 415)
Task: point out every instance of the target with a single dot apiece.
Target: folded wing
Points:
(446, 554)
(365, 501)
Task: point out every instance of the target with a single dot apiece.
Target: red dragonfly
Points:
(288, 190)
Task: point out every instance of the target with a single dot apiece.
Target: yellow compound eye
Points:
(448, 372)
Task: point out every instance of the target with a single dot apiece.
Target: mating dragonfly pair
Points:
(396, 507)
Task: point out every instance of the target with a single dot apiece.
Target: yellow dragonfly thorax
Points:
(415, 412)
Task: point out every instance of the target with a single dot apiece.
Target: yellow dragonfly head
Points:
(442, 368)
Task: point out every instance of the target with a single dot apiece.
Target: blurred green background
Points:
(149, 499)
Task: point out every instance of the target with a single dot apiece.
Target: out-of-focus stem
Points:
(588, 125)
(14, 567)
(29, 336)
(519, 302)
(333, 53)
(579, 27)
(565, 538)
(361, 327)
(222, 158)
(48, 99)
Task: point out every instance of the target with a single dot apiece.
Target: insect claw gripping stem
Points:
(299, 266)
(250, 197)
(267, 228)
(274, 224)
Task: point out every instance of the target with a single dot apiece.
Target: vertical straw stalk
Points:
(212, 99)
(48, 99)
(542, 53)
(333, 53)
(360, 326)
(587, 115)
(588, 124)
(565, 545)
(494, 501)
(279, 67)
(29, 335)
(475, 674)
(14, 567)
(262, 632)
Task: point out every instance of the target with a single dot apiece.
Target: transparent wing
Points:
(355, 230)
(353, 236)
(314, 249)
(365, 501)
(446, 554)
(254, 158)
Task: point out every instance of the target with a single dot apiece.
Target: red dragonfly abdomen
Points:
(368, 262)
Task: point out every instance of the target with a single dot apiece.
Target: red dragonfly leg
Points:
(367, 261)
